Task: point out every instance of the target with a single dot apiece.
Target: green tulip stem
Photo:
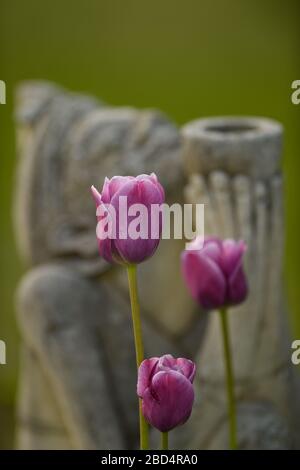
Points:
(139, 348)
(229, 380)
(164, 441)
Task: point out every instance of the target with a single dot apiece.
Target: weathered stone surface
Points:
(39, 418)
(235, 145)
(78, 376)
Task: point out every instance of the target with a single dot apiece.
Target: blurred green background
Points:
(190, 58)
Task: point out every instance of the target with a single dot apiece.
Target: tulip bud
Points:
(214, 273)
(165, 387)
(117, 208)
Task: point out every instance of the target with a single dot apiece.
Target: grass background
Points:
(190, 58)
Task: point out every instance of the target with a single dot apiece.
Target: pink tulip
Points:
(214, 273)
(120, 246)
(165, 387)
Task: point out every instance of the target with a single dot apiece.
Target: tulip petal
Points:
(146, 371)
(106, 246)
(96, 196)
(168, 402)
(204, 279)
(167, 362)
(237, 288)
(105, 191)
(104, 243)
(116, 183)
(182, 365)
(209, 246)
(158, 185)
(213, 249)
(187, 368)
(105, 231)
(232, 254)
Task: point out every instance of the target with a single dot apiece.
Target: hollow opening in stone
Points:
(230, 128)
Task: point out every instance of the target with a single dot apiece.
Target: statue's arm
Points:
(55, 312)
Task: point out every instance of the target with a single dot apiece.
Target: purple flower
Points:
(214, 273)
(126, 231)
(165, 387)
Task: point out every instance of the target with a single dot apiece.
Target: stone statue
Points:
(77, 375)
